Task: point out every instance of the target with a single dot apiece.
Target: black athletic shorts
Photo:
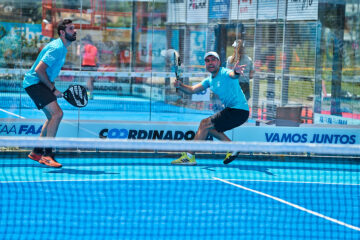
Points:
(40, 94)
(229, 118)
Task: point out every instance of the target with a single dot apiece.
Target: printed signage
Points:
(219, 9)
(302, 10)
(186, 131)
(243, 9)
(176, 12)
(197, 11)
(10, 129)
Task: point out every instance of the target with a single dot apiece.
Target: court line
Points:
(75, 124)
(10, 113)
(291, 205)
(173, 179)
(63, 121)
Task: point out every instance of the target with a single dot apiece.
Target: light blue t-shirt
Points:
(227, 88)
(53, 55)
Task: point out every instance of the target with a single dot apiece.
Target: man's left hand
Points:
(239, 69)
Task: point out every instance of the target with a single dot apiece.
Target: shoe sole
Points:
(184, 164)
(230, 159)
(46, 162)
(49, 165)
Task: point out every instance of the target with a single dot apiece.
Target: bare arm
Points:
(41, 72)
(189, 89)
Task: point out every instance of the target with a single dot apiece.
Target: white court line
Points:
(80, 128)
(13, 114)
(63, 121)
(292, 205)
(109, 180)
(278, 181)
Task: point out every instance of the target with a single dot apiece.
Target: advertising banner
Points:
(176, 11)
(219, 9)
(243, 9)
(269, 10)
(150, 46)
(318, 135)
(334, 120)
(197, 11)
(197, 47)
(184, 131)
(302, 10)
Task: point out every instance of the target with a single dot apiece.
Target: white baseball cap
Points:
(212, 54)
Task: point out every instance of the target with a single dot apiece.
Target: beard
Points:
(69, 37)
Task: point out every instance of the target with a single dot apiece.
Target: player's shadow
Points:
(78, 171)
(240, 167)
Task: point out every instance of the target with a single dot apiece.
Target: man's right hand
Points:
(177, 83)
(58, 94)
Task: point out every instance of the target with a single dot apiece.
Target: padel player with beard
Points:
(39, 85)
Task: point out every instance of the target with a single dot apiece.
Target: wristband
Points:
(236, 73)
(53, 90)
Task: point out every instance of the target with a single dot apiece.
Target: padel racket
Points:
(76, 95)
(173, 59)
(177, 64)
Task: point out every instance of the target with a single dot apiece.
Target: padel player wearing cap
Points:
(39, 85)
(224, 83)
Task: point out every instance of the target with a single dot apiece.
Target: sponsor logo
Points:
(315, 138)
(11, 129)
(196, 4)
(302, 4)
(122, 133)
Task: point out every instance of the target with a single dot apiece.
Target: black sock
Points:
(48, 152)
(38, 151)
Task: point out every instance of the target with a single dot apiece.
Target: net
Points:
(127, 189)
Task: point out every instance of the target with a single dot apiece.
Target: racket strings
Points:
(76, 95)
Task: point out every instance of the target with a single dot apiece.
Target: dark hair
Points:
(62, 25)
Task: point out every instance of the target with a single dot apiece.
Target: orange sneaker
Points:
(35, 156)
(49, 161)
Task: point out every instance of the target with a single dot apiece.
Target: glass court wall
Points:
(305, 54)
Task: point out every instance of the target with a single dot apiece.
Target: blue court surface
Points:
(102, 107)
(139, 196)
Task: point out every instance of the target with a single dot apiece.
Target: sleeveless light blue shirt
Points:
(227, 88)
(53, 55)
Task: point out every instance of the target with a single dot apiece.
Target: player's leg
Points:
(90, 81)
(203, 130)
(54, 115)
(219, 135)
(37, 153)
(90, 87)
(41, 96)
(46, 101)
(188, 158)
(225, 120)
